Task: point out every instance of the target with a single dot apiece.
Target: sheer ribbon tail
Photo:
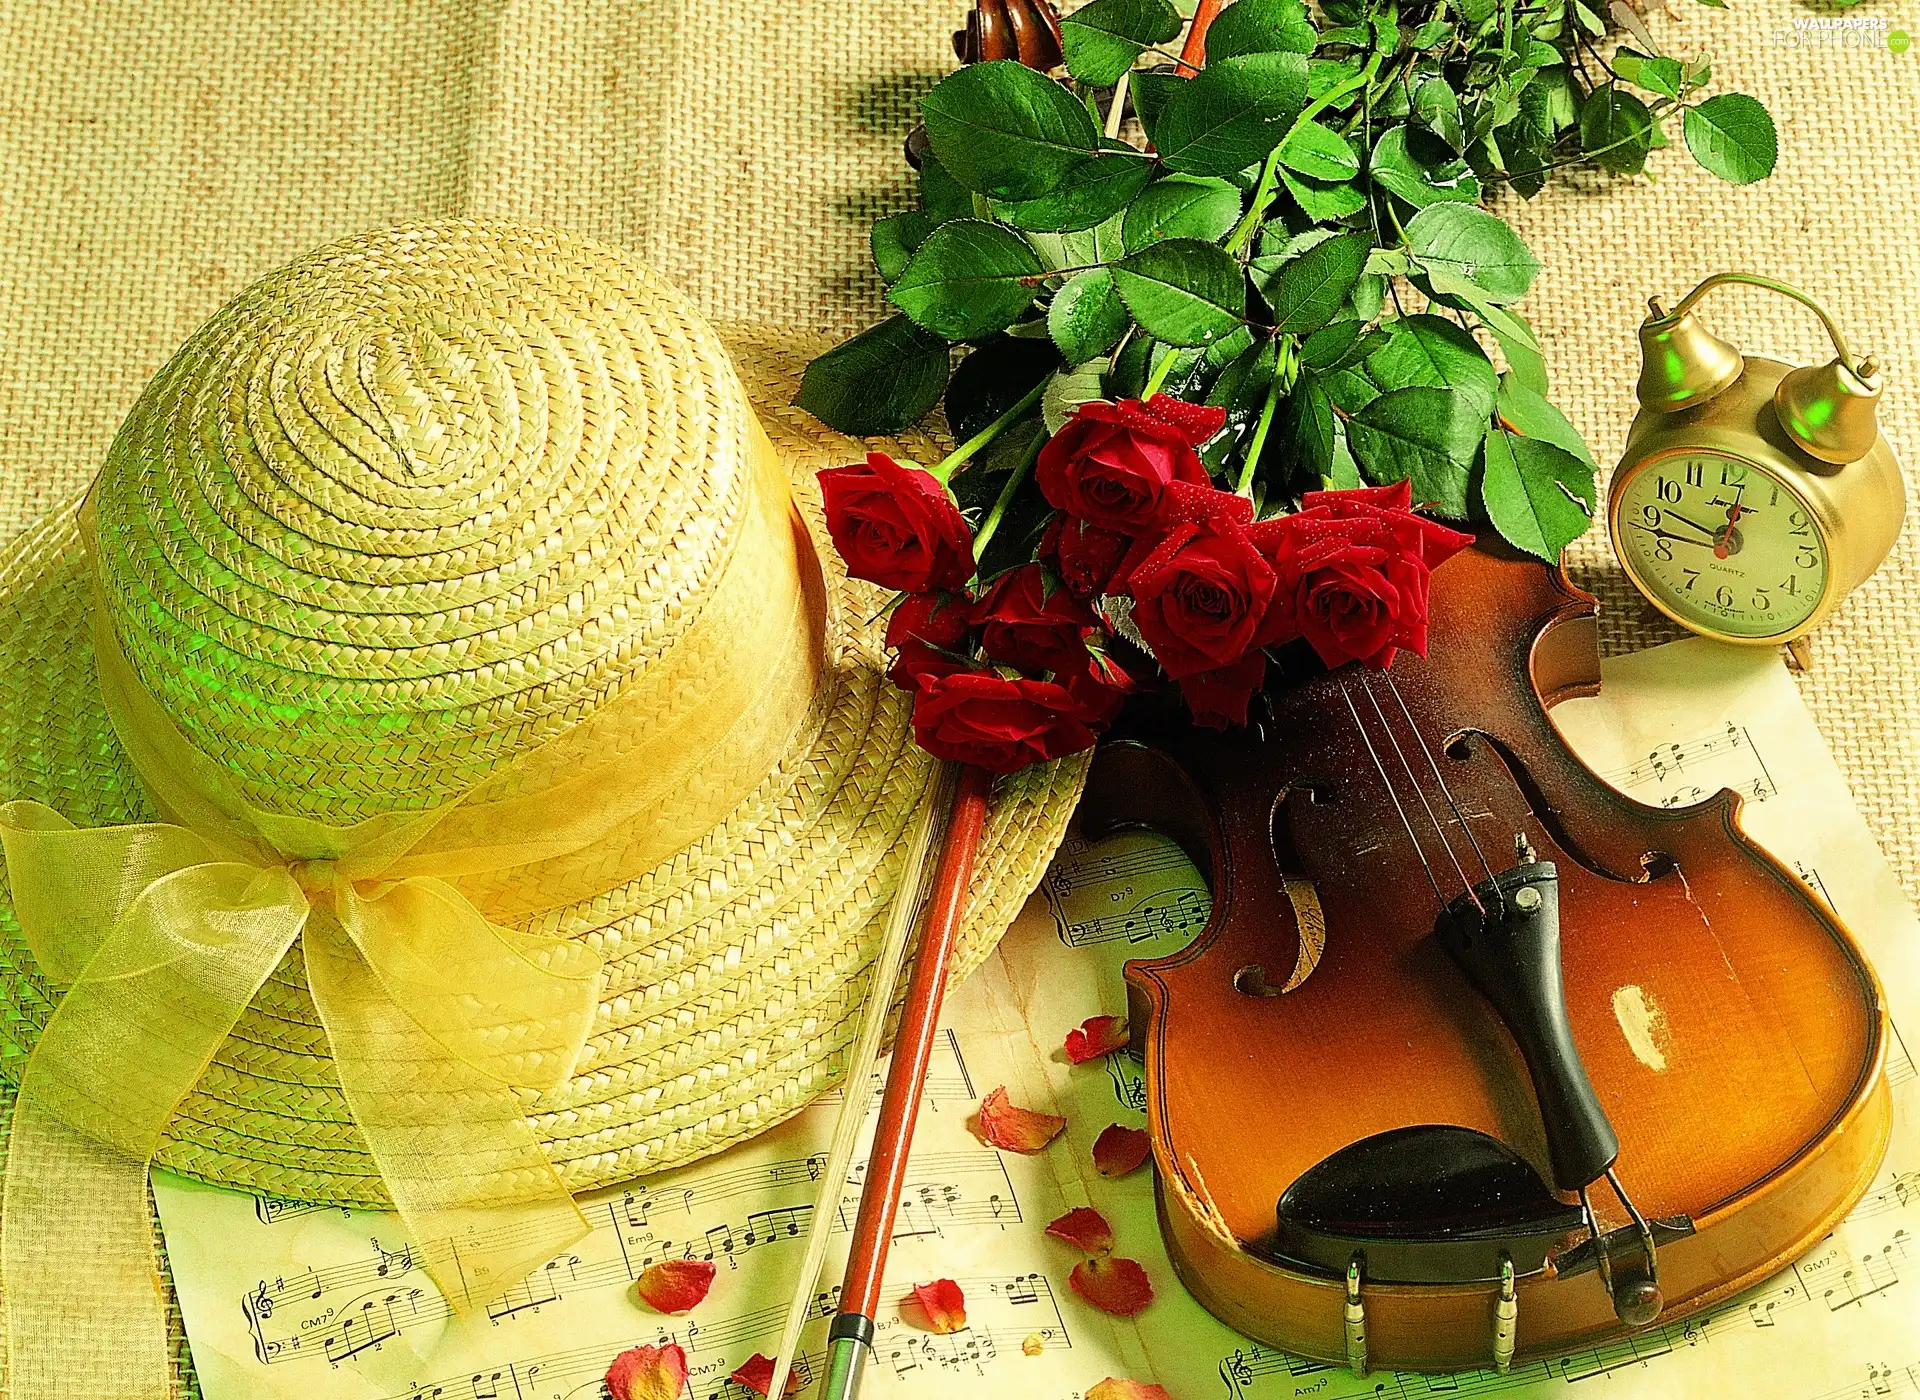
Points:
(166, 959)
(436, 1018)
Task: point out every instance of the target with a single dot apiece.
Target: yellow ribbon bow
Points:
(165, 939)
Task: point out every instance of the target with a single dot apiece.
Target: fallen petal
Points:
(1119, 1149)
(756, 1374)
(1016, 1129)
(1113, 1389)
(1117, 1286)
(1085, 1228)
(649, 1373)
(1033, 1344)
(675, 1285)
(1096, 1036)
(944, 1305)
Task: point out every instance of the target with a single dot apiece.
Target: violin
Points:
(1476, 1057)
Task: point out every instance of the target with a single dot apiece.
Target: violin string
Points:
(1438, 776)
(1393, 796)
(1413, 779)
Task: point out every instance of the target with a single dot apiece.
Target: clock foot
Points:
(1800, 654)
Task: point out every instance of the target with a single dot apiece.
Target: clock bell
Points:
(1753, 495)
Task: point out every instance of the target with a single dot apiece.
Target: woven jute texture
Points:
(154, 159)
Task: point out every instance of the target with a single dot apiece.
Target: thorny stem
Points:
(960, 455)
(1015, 479)
(1159, 376)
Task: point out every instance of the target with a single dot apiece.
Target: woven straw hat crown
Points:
(409, 508)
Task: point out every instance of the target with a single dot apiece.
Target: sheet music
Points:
(292, 1300)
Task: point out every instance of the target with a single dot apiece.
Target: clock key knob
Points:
(1682, 363)
(1831, 411)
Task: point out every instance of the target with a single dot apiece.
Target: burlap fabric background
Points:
(154, 158)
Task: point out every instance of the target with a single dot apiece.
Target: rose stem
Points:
(957, 458)
(1160, 373)
(1282, 363)
(1005, 498)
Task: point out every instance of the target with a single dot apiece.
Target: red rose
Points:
(1354, 569)
(1085, 556)
(1219, 698)
(896, 526)
(1100, 687)
(1112, 464)
(996, 722)
(1201, 597)
(1029, 621)
(924, 631)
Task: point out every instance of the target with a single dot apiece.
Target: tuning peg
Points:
(1027, 30)
(1682, 363)
(1830, 411)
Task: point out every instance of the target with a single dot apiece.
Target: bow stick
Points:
(941, 798)
(850, 1337)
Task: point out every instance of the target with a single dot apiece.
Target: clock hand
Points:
(1706, 530)
(1723, 538)
(1669, 535)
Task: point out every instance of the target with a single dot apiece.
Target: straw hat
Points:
(397, 519)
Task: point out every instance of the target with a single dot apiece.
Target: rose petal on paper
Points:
(1014, 1129)
(1117, 1286)
(756, 1374)
(944, 1305)
(1119, 1149)
(1033, 1344)
(1115, 1389)
(1096, 1036)
(675, 1285)
(649, 1373)
(1086, 1229)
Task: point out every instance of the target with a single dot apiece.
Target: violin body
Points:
(1726, 1022)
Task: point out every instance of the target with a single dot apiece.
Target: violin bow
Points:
(962, 794)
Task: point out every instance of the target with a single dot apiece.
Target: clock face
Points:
(1723, 545)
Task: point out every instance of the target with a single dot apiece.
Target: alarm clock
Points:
(1753, 496)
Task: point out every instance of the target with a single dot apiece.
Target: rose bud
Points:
(928, 633)
(996, 722)
(1085, 556)
(1111, 464)
(896, 526)
(1028, 620)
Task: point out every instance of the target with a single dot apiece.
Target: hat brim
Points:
(735, 973)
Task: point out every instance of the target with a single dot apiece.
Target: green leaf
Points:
(1341, 344)
(884, 379)
(1005, 130)
(1182, 206)
(1657, 74)
(1103, 39)
(942, 196)
(1230, 114)
(1616, 130)
(1516, 337)
(1306, 291)
(1467, 242)
(1067, 390)
(1437, 109)
(1087, 317)
(1324, 200)
(1092, 191)
(1433, 351)
(1431, 35)
(1260, 26)
(1308, 423)
(1428, 436)
(1320, 152)
(968, 279)
(1733, 137)
(1349, 388)
(894, 238)
(1183, 291)
(1530, 415)
(1539, 497)
(1396, 169)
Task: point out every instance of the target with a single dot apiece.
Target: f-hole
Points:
(1253, 980)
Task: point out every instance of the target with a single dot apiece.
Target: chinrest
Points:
(1431, 1203)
